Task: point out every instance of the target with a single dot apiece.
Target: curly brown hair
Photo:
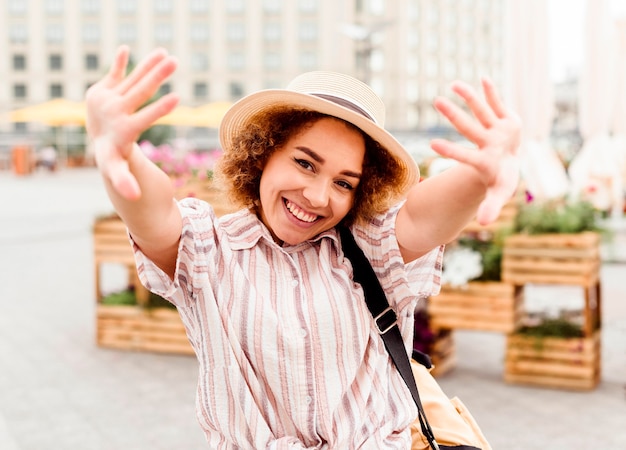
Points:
(240, 167)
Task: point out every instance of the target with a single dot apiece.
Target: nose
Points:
(318, 194)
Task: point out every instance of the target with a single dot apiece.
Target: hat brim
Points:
(240, 114)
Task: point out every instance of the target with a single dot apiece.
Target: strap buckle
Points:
(390, 315)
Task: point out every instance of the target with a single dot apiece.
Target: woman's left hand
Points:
(496, 132)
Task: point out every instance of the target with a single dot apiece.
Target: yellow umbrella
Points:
(210, 115)
(56, 112)
(181, 115)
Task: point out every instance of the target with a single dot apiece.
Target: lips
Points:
(299, 213)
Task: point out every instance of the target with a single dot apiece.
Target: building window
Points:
(18, 33)
(91, 6)
(271, 61)
(54, 7)
(308, 31)
(199, 32)
(199, 6)
(19, 62)
(235, 32)
(127, 33)
(56, 90)
(17, 7)
(91, 33)
(91, 62)
(163, 33)
(307, 6)
(236, 90)
(307, 61)
(272, 6)
(20, 91)
(165, 89)
(236, 61)
(200, 90)
(55, 62)
(199, 62)
(236, 6)
(127, 6)
(162, 6)
(272, 32)
(54, 33)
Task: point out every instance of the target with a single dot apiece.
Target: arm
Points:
(438, 209)
(141, 193)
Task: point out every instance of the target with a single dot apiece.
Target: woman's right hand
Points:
(115, 120)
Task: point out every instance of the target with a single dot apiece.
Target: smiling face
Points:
(308, 185)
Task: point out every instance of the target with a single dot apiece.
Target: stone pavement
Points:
(58, 391)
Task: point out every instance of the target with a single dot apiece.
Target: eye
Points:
(304, 164)
(345, 185)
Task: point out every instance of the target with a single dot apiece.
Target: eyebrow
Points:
(316, 157)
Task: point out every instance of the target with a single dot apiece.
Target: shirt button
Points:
(308, 400)
(302, 332)
(294, 283)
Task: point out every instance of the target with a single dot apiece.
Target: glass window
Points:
(236, 6)
(377, 7)
(54, 7)
(414, 10)
(200, 90)
(18, 33)
(127, 6)
(162, 6)
(272, 32)
(412, 65)
(236, 90)
(199, 32)
(19, 62)
(17, 7)
(55, 62)
(236, 61)
(307, 6)
(272, 6)
(127, 33)
(235, 32)
(91, 32)
(20, 91)
(163, 32)
(199, 61)
(91, 62)
(54, 33)
(308, 31)
(272, 60)
(432, 68)
(56, 90)
(377, 61)
(307, 60)
(90, 6)
(199, 6)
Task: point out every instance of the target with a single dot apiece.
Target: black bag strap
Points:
(386, 323)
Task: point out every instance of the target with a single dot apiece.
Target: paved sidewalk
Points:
(58, 391)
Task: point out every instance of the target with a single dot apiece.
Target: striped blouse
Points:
(288, 353)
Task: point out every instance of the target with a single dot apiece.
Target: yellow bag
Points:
(451, 422)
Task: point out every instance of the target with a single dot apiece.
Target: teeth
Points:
(300, 214)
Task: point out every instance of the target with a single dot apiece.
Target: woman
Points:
(288, 353)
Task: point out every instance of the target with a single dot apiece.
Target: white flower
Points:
(460, 265)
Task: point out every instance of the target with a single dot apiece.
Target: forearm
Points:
(438, 209)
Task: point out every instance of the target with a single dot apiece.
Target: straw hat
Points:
(330, 93)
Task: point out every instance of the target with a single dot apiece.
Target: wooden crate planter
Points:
(566, 363)
(552, 259)
(141, 329)
(131, 327)
(484, 306)
(443, 353)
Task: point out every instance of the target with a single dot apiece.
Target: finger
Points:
(477, 104)
(146, 116)
(458, 152)
(462, 121)
(117, 69)
(140, 92)
(142, 69)
(493, 98)
(489, 209)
